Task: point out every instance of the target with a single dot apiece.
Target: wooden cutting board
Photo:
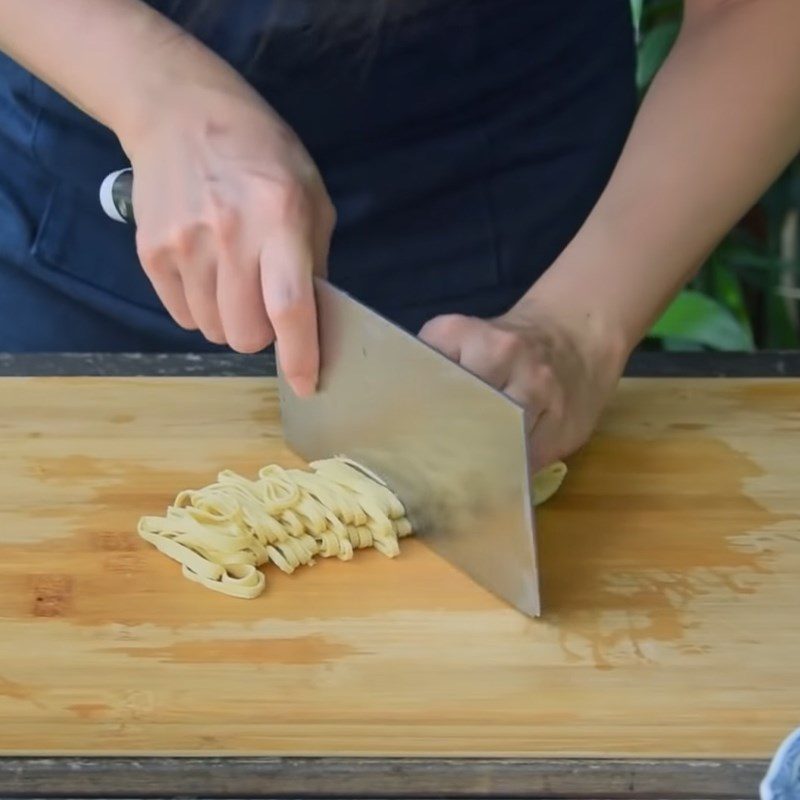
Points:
(670, 563)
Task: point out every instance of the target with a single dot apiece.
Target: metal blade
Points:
(452, 447)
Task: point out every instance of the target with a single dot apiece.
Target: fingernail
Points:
(304, 387)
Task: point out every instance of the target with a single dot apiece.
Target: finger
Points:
(525, 395)
(525, 391)
(288, 291)
(481, 355)
(241, 302)
(543, 442)
(194, 253)
(166, 281)
(446, 334)
(200, 287)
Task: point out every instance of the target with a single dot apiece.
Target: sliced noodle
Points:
(221, 534)
(546, 482)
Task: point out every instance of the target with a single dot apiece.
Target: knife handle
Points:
(116, 195)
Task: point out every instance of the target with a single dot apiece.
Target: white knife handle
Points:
(116, 195)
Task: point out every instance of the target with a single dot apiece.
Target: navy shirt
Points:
(463, 147)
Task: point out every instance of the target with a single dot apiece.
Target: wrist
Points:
(596, 330)
(175, 78)
(600, 287)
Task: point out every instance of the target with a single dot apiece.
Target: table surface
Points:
(259, 777)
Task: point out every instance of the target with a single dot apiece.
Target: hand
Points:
(233, 219)
(556, 366)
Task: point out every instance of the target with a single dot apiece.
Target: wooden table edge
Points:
(288, 777)
(761, 364)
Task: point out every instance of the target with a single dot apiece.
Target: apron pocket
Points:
(77, 240)
(442, 249)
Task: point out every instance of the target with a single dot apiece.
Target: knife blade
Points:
(452, 447)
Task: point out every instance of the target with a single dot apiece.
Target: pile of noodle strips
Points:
(222, 533)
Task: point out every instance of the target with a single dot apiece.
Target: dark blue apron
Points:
(463, 147)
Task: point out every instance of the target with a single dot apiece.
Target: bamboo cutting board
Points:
(671, 583)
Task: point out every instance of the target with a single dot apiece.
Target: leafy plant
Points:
(747, 293)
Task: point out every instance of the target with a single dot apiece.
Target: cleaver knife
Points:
(451, 447)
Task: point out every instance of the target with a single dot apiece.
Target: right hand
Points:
(233, 219)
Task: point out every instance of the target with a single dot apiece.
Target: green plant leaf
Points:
(636, 14)
(653, 50)
(657, 11)
(744, 258)
(727, 289)
(681, 346)
(781, 332)
(699, 319)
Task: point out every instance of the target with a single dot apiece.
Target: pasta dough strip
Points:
(221, 534)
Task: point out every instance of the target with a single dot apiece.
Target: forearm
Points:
(721, 120)
(115, 59)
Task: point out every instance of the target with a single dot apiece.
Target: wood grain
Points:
(671, 567)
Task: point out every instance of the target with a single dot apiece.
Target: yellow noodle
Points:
(546, 482)
(221, 534)
(245, 581)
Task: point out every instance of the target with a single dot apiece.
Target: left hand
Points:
(558, 365)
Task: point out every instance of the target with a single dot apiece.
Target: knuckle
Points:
(151, 254)
(181, 237)
(158, 249)
(446, 326)
(286, 313)
(225, 221)
(328, 215)
(285, 198)
(288, 303)
(544, 375)
(506, 343)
